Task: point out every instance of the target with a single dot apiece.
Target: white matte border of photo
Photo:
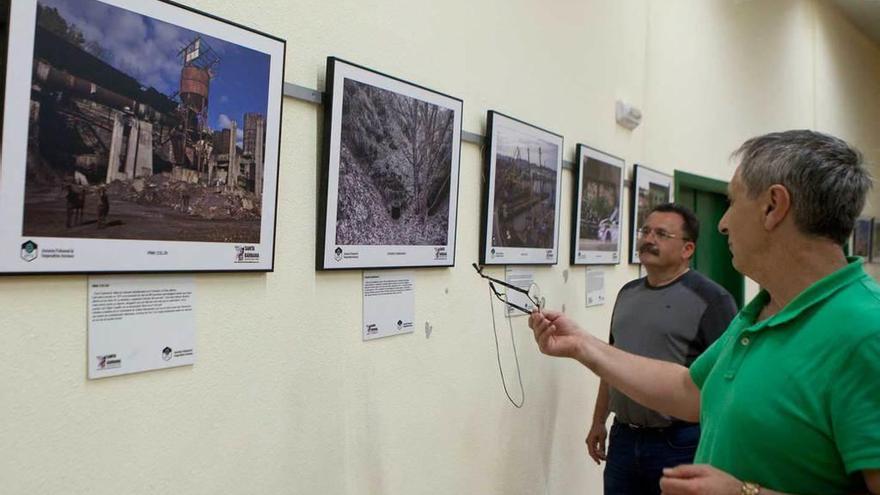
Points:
(587, 257)
(124, 255)
(379, 256)
(516, 255)
(643, 176)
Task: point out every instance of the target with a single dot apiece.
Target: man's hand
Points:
(596, 442)
(698, 479)
(556, 334)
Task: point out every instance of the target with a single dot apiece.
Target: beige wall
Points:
(285, 397)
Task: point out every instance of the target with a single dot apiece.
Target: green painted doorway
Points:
(708, 198)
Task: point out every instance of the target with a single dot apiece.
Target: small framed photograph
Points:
(875, 241)
(520, 223)
(861, 241)
(389, 187)
(598, 202)
(649, 189)
(138, 137)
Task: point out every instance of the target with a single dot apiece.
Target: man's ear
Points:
(777, 207)
(689, 248)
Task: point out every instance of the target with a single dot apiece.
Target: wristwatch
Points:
(750, 488)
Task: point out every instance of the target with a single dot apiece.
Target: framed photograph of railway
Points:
(389, 185)
(597, 207)
(649, 189)
(521, 197)
(138, 137)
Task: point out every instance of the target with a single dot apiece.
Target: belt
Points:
(672, 426)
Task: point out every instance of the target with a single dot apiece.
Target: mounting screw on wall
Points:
(627, 115)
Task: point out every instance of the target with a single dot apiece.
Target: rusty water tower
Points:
(199, 63)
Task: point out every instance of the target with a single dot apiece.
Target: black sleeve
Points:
(716, 319)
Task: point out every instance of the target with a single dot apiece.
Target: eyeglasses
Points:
(533, 293)
(661, 234)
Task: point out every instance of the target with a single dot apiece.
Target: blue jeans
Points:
(637, 456)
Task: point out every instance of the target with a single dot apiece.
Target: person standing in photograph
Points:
(673, 314)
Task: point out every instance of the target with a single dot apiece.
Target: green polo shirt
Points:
(793, 402)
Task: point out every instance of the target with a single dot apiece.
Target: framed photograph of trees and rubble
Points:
(389, 186)
(138, 137)
(649, 189)
(520, 223)
(597, 208)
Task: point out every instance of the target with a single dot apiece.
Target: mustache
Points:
(651, 248)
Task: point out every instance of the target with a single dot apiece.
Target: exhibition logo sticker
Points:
(166, 354)
(338, 253)
(29, 251)
(246, 254)
(108, 362)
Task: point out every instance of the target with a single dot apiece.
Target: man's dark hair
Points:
(691, 225)
(823, 174)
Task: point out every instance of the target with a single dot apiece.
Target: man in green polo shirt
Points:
(789, 396)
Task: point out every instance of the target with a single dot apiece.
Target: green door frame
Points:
(700, 183)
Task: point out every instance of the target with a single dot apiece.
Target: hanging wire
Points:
(498, 355)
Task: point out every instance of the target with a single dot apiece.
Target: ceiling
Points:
(865, 14)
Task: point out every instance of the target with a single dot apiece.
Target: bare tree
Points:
(426, 130)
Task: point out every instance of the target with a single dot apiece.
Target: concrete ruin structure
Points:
(92, 115)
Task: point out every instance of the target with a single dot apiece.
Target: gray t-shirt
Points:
(675, 322)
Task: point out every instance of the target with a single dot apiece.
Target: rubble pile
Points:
(210, 202)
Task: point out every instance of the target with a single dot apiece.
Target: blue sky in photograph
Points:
(147, 50)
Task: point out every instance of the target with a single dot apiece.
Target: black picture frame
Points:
(514, 225)
(875, 241)
(595, 225)
(649, 188)
(862, 238)
(123, 172)
(388, 193)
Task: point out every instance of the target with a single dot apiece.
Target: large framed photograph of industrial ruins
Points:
(389, 185)
(521, 197)
(139, 137)
(649, 189)
(597, 207)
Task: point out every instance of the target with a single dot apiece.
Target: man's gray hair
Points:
(823, 174)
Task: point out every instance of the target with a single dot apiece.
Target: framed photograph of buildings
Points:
(138, 137)
(389, 188)
(861, 241)
(649, 189)
(520, 223)
(597, 208)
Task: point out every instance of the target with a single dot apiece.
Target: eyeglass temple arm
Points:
(499, 282)
(505, 301)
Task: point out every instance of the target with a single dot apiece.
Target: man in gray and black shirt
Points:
(672, 314)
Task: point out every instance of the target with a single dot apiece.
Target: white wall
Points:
(285, 397)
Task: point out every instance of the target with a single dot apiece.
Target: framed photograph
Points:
(649, 189)
(138, 137)
(596, 208)
(523, 163)
(861, 241)
(389, 188)
(875, 242)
